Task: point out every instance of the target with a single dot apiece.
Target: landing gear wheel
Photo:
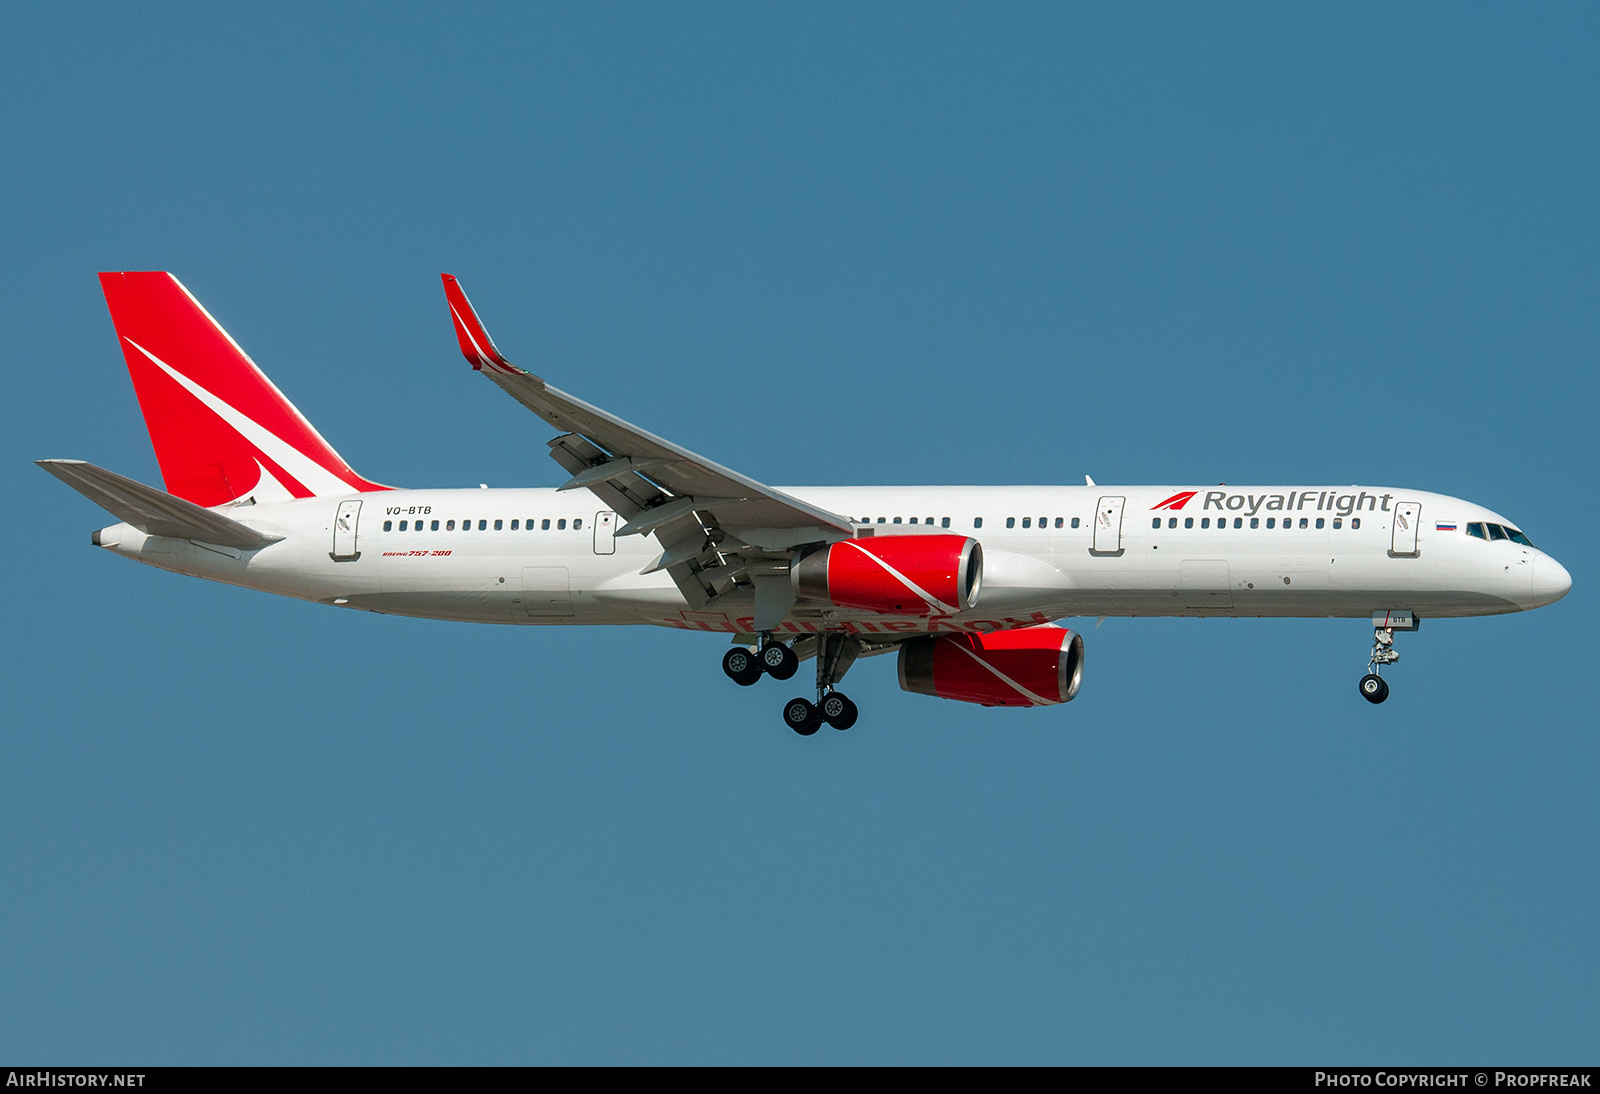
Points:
(1374, 689)
(779, 661)
(741, 666)
(837, 710)
(802, 716)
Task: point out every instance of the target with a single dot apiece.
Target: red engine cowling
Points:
(1028, 667)
(895, 575)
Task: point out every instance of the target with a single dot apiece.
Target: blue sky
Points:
(820, 244)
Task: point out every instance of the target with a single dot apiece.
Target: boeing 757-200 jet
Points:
(964, 584)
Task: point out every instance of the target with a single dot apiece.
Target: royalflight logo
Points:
(1177, 501)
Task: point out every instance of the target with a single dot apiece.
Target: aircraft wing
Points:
(716, 526)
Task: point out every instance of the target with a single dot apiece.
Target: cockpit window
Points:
(1484, 530)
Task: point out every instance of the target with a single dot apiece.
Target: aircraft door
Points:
(605, 533)
(1407, 516)
(1108, 527)
(344, 532)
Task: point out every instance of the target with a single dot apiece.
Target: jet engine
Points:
(1027, 667)
(895, 575)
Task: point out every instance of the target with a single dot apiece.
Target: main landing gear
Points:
(1374, 688)
(835, 653)
(744, 667)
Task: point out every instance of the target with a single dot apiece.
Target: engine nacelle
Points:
(1028, 667)
(895, 575)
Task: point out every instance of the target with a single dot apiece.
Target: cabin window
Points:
(1338, 523)
(434, 526)
(499, 524)
(897, 520)
(1172, 522)
(1027, 522)
(561, 525)
(1074, 522)
(1059, 522)
(1319, 522)
(1255, 522)
(1355, 522)
(1188, 522)
(1205, 522)
(449, 526)
(913, 520)
(1305, 523)
(945, 523)
(577, 524)
(402, 526)
(1011, 522)
(513, 524)
(977, 522)
(925, 520)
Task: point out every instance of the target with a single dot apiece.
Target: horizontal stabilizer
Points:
(150, 510)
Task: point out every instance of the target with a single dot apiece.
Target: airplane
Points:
(965, 585)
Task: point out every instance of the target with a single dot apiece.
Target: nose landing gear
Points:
(1374, 688)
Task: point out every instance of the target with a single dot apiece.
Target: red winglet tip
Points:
(476, 345)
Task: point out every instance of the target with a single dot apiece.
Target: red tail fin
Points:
(220, 429)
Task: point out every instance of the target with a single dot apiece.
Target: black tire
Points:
(741, 666)
(779, 661)
(1374, 688)
(801, 716)
(837, 710)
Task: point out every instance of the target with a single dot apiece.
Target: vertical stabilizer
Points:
(221, 430)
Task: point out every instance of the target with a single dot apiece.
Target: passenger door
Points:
(1108, 526)
(605, 533)
(345, 548)
(1407, 518)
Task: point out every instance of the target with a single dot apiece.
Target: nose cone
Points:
(1551, 581)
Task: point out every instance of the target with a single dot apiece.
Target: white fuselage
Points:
(539, 556)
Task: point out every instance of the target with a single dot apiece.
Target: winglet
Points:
(476, 345)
